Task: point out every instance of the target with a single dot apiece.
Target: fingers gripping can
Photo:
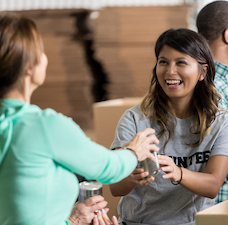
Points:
(150, 166)
(89, 188)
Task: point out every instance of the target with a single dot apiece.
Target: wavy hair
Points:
(205, 98)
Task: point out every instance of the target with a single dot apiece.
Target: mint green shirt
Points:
(39, 151)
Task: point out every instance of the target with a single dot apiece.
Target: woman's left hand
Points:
(84, 212)
(167, 165)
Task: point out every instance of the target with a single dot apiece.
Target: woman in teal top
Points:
(40, 150)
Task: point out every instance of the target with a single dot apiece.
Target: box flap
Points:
(221, 208)
(215, 215)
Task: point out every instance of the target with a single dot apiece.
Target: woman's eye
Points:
(162, 62)
(182, 63)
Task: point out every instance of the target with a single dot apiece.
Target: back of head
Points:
(212, 20)
(20, 49)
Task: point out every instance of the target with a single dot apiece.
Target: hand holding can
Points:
(150, 166)
(89, 188)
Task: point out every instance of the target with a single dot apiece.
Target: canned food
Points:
(150, 166)
(89, 188)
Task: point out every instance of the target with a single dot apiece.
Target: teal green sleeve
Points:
(71, 148)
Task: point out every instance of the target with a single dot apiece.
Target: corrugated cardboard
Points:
(215, 215)
(106, 115)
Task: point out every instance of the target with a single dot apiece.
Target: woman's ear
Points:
(203, 72)
(225, 36)
(29, 71)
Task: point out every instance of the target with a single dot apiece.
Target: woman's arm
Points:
(207, 183)
(71, 148)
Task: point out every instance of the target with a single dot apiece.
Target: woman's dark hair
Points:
(205, 98)
(21, 47)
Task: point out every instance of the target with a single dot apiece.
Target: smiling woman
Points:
(182, 107)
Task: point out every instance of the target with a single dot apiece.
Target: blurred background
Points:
(99, 49)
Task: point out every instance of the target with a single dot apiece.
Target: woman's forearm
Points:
(206, 184)
(209, 182)
(123, 187)
(203, 184)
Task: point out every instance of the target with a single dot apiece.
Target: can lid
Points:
(90, 185)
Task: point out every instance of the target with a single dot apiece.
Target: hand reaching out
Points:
(143, 143)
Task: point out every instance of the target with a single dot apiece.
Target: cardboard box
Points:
(215, 215)
(106, 115)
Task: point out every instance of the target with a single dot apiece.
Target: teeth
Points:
(172, 82)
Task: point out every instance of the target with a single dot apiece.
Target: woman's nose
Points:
(171, 69)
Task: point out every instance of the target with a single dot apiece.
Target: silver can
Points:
(89, 188)
(150, 166)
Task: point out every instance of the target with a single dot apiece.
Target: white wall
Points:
(89, 4)
(202, 3)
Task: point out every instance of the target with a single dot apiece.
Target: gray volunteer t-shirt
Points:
(160, 202)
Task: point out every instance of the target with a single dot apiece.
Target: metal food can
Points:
(150, 166)
(89, 188)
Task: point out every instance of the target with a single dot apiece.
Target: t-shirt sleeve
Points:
(71, 148)
(125, 130)
(221, 142)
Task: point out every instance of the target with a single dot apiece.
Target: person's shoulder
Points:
(220, 70)
(47, 114)
(136, 109)
(222, 116)
(51, 114)
(35, 109)
(136, 115)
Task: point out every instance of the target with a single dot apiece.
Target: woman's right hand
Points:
(138, 177)
(143, 143)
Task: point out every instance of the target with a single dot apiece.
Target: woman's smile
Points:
(172, 83)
